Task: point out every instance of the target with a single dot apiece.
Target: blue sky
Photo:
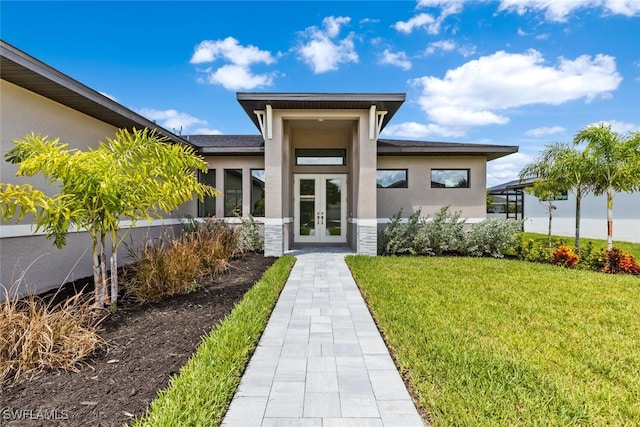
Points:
(512, 72)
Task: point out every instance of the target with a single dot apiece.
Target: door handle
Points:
(320, 218)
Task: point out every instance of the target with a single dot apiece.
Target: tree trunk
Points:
(114, 277)
(578, 202)
(550, 217)
(103, 270)
(609, 219)
(97, 280)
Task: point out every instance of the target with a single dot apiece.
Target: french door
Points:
(320, 214)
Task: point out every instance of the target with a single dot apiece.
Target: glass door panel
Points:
(307, 224)
(320, 209)
(333, 206)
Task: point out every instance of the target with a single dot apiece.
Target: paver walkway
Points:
(321, 360)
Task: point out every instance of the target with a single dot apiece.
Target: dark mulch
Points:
(147, 344)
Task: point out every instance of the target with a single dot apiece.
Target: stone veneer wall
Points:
(273, 239)
(367, 238)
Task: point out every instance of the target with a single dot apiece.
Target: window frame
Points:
(406, 177)
(339, 152)
(229, 213)
(202, 211)
(431, 181)
(251, 208)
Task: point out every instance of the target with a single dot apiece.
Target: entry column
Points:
(274, 187)
(367, 226)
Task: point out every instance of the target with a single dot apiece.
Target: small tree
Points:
(547, 192)
(617, 164)
(138, 175)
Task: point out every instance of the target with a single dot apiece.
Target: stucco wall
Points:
(23, 112)
(419, 194)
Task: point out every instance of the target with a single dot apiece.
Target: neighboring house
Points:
(593, 213)
(316, 174)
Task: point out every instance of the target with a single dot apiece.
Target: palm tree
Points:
(616, 161)
(562, 168)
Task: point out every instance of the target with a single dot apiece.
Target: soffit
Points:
(251, 101)
(25, 71)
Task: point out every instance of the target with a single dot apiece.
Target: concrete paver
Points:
(321, 360)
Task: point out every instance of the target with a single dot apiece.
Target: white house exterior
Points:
(593, 222)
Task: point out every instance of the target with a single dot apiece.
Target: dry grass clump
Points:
(170, 266)
(35, 336)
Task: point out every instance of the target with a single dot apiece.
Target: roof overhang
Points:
(29, 73)
(387, 147)
(256, 101)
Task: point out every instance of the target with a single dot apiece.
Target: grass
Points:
(202, 392)
(542, 239)
(36, 336)
(504, 342)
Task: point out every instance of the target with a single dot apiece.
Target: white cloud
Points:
(443, 45)
(419, 21)
(482, 91)
(448, 46)
(545, 131)
(237, 73)
(178, 122)
(427, 21)
(398, 59)
(558, 11)
(506, 168)
(622, 127)
(230, 50)
(421, 130)
(206, 131)
(321, 52)
(238, 77)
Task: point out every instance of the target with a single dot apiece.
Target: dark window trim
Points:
(450, 169)
(328, 153)
(406, 175)
(251, 209)
(226, 212)
(201, 205)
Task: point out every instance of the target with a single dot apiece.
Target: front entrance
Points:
(320, 208)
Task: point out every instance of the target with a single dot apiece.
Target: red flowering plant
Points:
(618, 261)
(565, 257)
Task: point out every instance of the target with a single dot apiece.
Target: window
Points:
(450, 178)
(321, 156)
(257, 192)
(232, 192)
(391, 178)
(208, 206)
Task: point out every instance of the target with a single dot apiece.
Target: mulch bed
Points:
(147, 344)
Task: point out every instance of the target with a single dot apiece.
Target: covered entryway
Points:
(320, 204)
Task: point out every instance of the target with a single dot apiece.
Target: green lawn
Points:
(500, 342)
(632, 248)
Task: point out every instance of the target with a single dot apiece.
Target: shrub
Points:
(591, 259)
(163, 267)
(402, 238)
(215, 243)
(249, 237)
(444, 233)
(35, 336)
(564, 256)
(492, 237)
(618, 261)
(532, 252)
